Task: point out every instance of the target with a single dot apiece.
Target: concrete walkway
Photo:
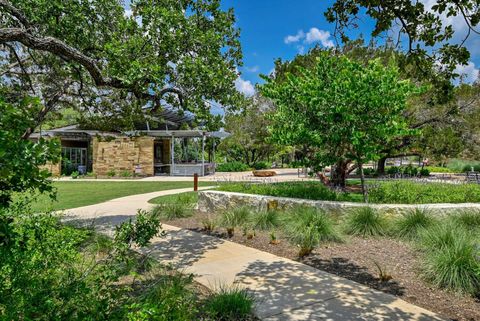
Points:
(284, 289)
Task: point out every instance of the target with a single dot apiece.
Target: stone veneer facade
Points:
(54, 169)
(123, 154)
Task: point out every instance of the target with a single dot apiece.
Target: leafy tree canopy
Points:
(423, 31)
(90, 54)
(347, 110)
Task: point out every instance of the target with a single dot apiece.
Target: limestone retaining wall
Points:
(123, 154)
(54, 169)
(210, 201)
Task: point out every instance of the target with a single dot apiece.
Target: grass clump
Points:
(366, 221)
(468, 219)
(307, 227)
(410, 224)
(452, 259)
(180, 206)
(234, 218)
(229, 304)
(266, 220)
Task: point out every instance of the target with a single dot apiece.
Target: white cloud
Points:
(317, 35)
(294, 38)
(252, 69)
(245, 87)
(468, 73)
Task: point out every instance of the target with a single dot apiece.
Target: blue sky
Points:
(272, 29)
(266, 24)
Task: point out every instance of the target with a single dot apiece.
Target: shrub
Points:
(126, 174)
(232, 167)
(265, 220)
(411, 223)
(468, 219)
(234, 218)
(111, 173)
(438, 169)
(209, 224)
(451, 260)
(230, 304)
(91, 175)
(460, 165)
(393, 170)
(408, 192)
(425, 172)
(75, 174)
(262, 165)
(180, 207)
(307, 227)
(366, 221)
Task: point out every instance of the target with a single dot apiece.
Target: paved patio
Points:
(284, 289)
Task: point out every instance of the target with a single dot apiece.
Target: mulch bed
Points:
(355, 260)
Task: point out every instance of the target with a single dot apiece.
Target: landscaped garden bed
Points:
(425, 260)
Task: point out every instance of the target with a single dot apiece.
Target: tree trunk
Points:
(362, 179)
(339, 174)
(381, 166)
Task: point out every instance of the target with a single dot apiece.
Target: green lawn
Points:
(75, 194)
(193, 196)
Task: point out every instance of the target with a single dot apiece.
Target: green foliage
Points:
(230, 304)
(461, 165)
(232, 167)
(236, 217)
(45, 276)
(413, 222)
(424, 172)
(305, 190)
(75, 174)
(451, 259)
(262, 165)
(307, 227)
(126, 174)
(366, 221)
(406, 192)
(343, 109)
(179, 207)
(438, 169)
(468, 219)
(21, 160)
(265, 220)
(209, 224)
(172, 298)
(111, 173)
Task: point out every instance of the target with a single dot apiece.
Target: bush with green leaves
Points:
(126, 174)
(236, 217)
(307, 227)
(75, 174)
(45, 276)
(111, 173)
(232, 167)
(424, 172)
(180, 206)
(468, 219)
(410, 224)
(262, 165)
(451, 258)
(230, 304)
(366, 221)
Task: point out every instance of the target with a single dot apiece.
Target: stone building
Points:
(143, 152)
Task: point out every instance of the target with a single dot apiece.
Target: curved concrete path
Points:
(284, 289)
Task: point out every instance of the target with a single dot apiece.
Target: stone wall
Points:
(123, 154)
(211, 201)
(54, 169)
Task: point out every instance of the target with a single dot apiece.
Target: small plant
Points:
(126, 174)
(111, 173)
(230, 303)
(468, 219)
(307, 227)
(234, 218)
(75, 175)
(266, 220)
(383, 273)
(410, 224)
(208, 224)
(455, 264)
(439, 236)
(366, 221)
(91, 175)
(232, 167)
(273, 238)
(424, 172)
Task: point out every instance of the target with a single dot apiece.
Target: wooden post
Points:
(195, 182)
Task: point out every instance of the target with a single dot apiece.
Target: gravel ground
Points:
(357, 259)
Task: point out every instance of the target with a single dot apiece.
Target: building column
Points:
(203, 154)
(172, 155)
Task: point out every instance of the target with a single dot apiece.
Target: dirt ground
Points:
(360, 260)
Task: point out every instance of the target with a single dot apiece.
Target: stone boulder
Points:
(264, 173)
